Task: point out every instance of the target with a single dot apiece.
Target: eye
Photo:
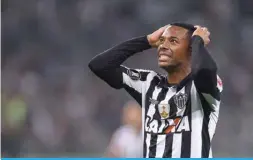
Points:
(161, 39)
(173, 41)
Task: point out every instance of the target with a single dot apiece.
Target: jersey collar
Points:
(164, 83)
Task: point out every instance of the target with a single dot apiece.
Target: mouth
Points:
(164, 58)
(165, 54)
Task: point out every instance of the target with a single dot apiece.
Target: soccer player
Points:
(179, 110)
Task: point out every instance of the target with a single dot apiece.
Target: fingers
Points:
(201, 28)
(205, 29)
(162, 29)
(203, 32)
(197, 26)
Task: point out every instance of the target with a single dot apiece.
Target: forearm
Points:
(201, 59)
(114, 57)
(204, 68)
(106, 65)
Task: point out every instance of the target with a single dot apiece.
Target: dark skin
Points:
(174, 53)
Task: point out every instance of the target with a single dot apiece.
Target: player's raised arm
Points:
(107, 65)
(204, 68)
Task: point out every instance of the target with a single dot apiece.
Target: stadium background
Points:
(52, 105)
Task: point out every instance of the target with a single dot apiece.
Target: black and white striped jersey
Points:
(178, 120)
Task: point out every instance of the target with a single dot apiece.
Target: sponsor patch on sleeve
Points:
(133, 74)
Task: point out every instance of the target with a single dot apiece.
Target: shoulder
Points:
(139, 74)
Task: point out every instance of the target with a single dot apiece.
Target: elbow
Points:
(209, 66)
(91, 66)
(105, 75)
(94, 66)
(212, 67)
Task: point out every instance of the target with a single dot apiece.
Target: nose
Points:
(164, 46)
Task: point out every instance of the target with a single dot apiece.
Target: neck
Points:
(177, 75)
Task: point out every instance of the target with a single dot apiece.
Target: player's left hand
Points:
(153, 38)
(203, 32)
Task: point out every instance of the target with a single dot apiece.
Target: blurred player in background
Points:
(180, 109)
(126, 140)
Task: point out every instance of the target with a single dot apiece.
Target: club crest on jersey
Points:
(180, 100)
(134, 75)
(164, 110)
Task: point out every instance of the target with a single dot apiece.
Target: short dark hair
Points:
(187, 26)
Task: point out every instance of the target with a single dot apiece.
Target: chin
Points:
(166, 66)
(163, 64)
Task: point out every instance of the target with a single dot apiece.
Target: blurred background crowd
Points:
(52, 105)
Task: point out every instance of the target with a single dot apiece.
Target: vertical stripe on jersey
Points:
(150, 91)
(177, 137)
(186, 144)
(177, 145)
(197, 123)
(215, 104)
(168, 146)
(147, 144)
(156, 139)
(152, 147)
(143, 122)
(160, 146)
(160, 99)
(161, 95)
(146, 90)
(205, 133)
(186, 136)
(173, 108)
(169, 94)
(210, 153)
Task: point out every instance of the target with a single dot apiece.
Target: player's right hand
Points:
(154, 37)
(203, 32)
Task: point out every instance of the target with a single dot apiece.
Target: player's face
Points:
(173, 49)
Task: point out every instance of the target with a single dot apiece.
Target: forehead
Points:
(175, 31)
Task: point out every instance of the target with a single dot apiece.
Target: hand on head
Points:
(154, 37)
(203, 32)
